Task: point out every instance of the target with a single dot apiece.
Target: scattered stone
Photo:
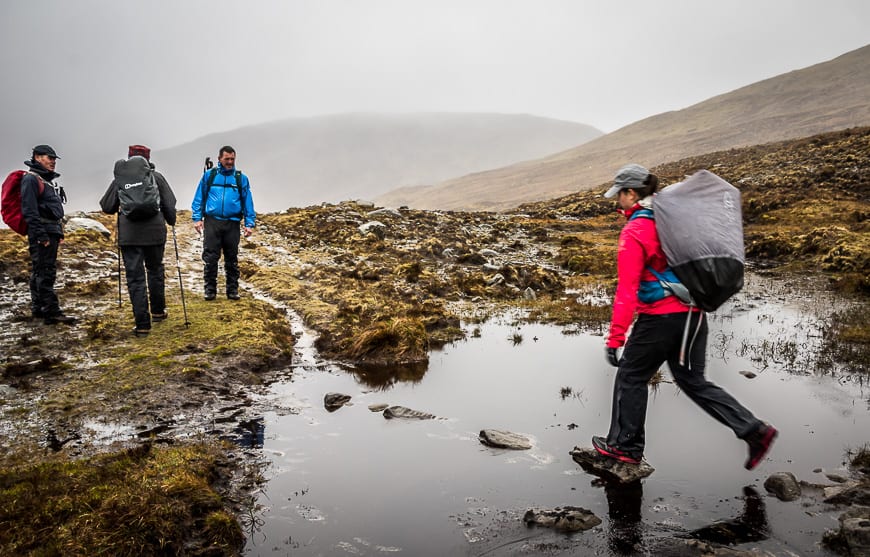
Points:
(852, 493)
(375, 228)
(82, 223)
(748, 374)
(488, 253)
(334, 401)
(406, 413)
(784, 485)
(529, 294)
(608, 468)
(837, 478)
(855, 529)
(495, 279)
(677, 547)
(378, 407)
(384, 211)
(562, 519)
(504, 440)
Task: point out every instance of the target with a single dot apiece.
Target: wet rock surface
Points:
(610, 469)
(784, 485)
(403, 413)
(563, 519)
(504, 439)
(334, 401)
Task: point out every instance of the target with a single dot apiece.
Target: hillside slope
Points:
(825, 97)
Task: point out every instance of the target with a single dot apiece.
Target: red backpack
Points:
(10, 203)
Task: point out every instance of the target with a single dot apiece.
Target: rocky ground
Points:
(377, 286)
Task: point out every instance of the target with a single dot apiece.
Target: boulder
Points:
(609, 468)
(852, 493)
(375, 228)
(504, 440)
(334, 401)
(384, 211)
(562, 519)
(784, 485)
(529, 294)
(83, 223)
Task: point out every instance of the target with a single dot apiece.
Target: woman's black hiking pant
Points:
(656, 339)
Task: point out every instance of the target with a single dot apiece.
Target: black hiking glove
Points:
(610, 354)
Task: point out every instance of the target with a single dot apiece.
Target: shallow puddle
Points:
(352, 482)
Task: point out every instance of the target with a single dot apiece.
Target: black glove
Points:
(610, 354)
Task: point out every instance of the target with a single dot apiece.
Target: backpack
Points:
(137, 188)
(10, 203)
(700, 227)
(210, 181)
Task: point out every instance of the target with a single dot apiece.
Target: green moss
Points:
(142, 501)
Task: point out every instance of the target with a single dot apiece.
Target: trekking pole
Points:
(208, 164)
(180, 283)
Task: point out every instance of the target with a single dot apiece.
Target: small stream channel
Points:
(352, 482)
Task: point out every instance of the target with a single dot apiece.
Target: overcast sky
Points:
(87, 75)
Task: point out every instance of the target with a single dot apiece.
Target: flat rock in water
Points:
(563, 519)
(608, 468)
(378, 407)
(504, 439)
(334, 401)
(406, 413)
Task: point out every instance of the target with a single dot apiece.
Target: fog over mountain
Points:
(304, 161)
(824, 97)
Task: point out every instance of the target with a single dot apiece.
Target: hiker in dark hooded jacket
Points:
(43, 213)
(657, 336)
(142, 245)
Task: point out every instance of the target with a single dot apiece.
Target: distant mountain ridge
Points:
(298, 162)
(825, 97)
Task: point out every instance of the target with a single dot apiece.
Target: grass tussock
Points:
(397, 339)
(142, 501)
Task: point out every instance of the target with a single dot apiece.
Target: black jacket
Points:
(147, 232)
(43, 213)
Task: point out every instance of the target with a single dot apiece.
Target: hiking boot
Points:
(233, 296)
(37, 314)
(159, 316)
(137, 332)
(600, 445)
(759, 443)
(209, 296)
(59, 318)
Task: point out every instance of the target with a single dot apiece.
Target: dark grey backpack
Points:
(137, 188)
(700, 226)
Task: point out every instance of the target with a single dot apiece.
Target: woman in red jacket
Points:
(657, 335)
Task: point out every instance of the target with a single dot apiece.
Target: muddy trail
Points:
(479, 320)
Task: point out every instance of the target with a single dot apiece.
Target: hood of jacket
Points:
(43, 172)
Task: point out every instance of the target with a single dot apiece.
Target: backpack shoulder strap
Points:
(39, 180)
(643, 214)
(208, 182)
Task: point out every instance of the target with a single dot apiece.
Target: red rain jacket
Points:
(638, 249)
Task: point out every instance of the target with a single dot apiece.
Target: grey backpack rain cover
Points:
(137, 189)
(700, 226)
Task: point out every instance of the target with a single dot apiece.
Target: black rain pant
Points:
(43, 273)
(656, 339)
(143, 263)
(221, 236)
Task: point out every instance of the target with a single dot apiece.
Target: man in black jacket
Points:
(42, 208)
(142, 244)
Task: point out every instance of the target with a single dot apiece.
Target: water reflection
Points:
(750, 526)
(250, 433)
(383, 378)
(624, 508)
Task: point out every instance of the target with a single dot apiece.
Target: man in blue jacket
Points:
(42, 208)
(221, 204)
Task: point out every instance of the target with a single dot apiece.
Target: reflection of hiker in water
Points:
(624, 511)
(750, 526)
(657, 337)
